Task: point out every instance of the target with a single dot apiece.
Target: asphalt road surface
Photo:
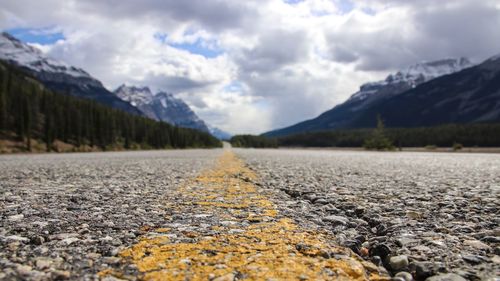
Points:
(250, 214)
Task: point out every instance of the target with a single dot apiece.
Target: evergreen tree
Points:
(3, 100)
(27, 123)
(378, 140)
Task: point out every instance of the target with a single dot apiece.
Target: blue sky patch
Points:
(346, 6)
(369, 11)
(233, 87)
(162, 37)
(42, 36)
(293, 1)
(199, 47)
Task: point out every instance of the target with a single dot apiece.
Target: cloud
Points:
(250, 66)
(403, 32)
(275, 49)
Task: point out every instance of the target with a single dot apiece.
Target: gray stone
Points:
(474, 259)
(406, 276)
(321, 201)
(70, 240)
(24, 270)
(446, 277)
(15, 218)
(477, 244)
(398, 262)
(43, 263)
(336, 220)
(17, 238)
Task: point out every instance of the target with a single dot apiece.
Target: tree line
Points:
(253, 141)
(30, 111)
(470, 135)
(381, 138)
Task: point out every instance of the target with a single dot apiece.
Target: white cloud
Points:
(290, 61)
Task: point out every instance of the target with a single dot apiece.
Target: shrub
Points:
(457, 146)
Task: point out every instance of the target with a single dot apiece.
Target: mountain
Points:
(58, 76)
(220, 134)
(34, 118)
(162, 106)
(373, 98)
(138, 97)
(469, 96)
(409, 78)
(165, 107)
(175, 111)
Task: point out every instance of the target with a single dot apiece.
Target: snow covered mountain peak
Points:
(168, 100)
(412, 76)
(430, 70)
(135, 95)
(162, 106)
(24, 55)
(494, 58)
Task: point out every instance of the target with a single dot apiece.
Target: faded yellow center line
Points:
(256, 244)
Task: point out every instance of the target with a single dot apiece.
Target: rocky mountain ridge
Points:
(57, 75)
(165, 107)
(425, 94)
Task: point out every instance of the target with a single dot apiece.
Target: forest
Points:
(35, 117)
(253, 141)
(381, 138)
(469, 135)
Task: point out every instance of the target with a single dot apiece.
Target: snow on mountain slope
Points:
(162, 106)
(413, 75)
(19, 53)
(135, 95)
(175, 111)
(166, 107)
(58, 76)
(344, 115)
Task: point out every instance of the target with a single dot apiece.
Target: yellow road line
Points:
(258, 244)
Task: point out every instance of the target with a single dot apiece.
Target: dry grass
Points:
(10, 143)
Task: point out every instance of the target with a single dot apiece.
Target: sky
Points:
(255, 65)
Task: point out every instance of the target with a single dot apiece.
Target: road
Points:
(254, 214)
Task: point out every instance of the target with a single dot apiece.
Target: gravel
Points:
(66, 216)
(419, 215)
(427, 214)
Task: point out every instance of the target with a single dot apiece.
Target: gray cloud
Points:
(215, 15)
(470, 29)
(176, 84)
(275, 49)
(429, 30)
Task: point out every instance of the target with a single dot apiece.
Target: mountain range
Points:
(61, 77)
(165, 107)
(161, 106)
(57, 75)
(425, 94)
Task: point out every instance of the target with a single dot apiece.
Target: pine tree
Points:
(378, 140)
(27, 123)
(3, 100)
